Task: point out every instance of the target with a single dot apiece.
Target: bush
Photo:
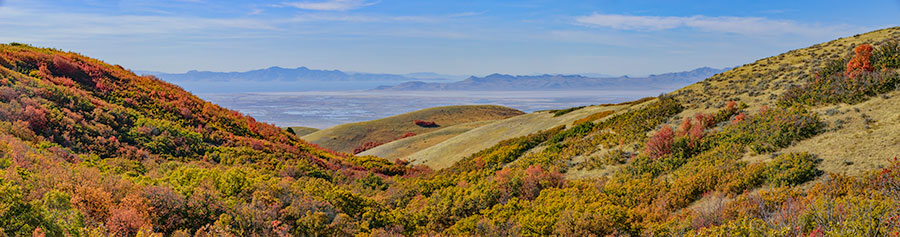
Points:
(887, 56)
(860, 63)
(792, 169)
(423, 123)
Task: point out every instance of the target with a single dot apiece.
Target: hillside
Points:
(88, 148)
(301, 131)
(854, 147)
(500, 82)
(347, 137)
(401, 149)
(446, 153)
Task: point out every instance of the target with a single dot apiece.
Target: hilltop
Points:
(348, 137)
(502, 82)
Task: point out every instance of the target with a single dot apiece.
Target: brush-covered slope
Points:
(88, 148)
(858, 139)
(362, 135)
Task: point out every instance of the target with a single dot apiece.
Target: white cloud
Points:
(331, 5)
(757, 26)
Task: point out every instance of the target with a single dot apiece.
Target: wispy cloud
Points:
(331, 5)
(758, 26)
(95, 24)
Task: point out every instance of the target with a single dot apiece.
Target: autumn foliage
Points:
(861, 62)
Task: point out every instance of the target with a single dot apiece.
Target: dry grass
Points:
(761, 82)
(303, 131)
(855, 148)
(448, 152)
(865, 140)
(404, 147)
(345, 137)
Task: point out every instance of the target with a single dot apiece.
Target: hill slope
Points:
(88, 148)
(763, 82)
(347, 137)
(301, 131)
(446, 153)
(402, 148)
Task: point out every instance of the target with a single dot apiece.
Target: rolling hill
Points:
(401, 149)
(448, 152)
(347, 137)
(301, 131)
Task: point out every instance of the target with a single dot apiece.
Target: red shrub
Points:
(409, 134)
(660, 144)
(738, 118)
(423, 123)
(861, 62)
(537, 179)
(366, 146)
(732, 105)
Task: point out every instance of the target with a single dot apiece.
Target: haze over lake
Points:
(326, 109)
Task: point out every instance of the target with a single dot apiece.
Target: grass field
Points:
(346, 137)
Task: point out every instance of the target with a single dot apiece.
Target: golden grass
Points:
(446, 153)
(346, 137)
(407, 146)
(303, 131)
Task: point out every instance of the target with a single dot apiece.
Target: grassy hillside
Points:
(855, 146)
(448, 152)
(347, 137)
(401, 149)
(301, 131)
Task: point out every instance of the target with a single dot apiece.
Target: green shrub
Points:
(791, 169)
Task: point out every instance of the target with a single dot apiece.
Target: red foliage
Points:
(739, 117)
(409, 134)
(685, 126)
(660, 144)
(537, 179)
(366, 146)
(861, 62)
(423, 123)
(732, 105)
(36, 117)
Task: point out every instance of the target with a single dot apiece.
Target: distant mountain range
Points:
(294, 74)
(502, 82)
(278, 79)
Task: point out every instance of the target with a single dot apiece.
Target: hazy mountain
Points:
(501, 82)
(286, 74)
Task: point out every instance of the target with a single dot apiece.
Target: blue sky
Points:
(449, 37)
